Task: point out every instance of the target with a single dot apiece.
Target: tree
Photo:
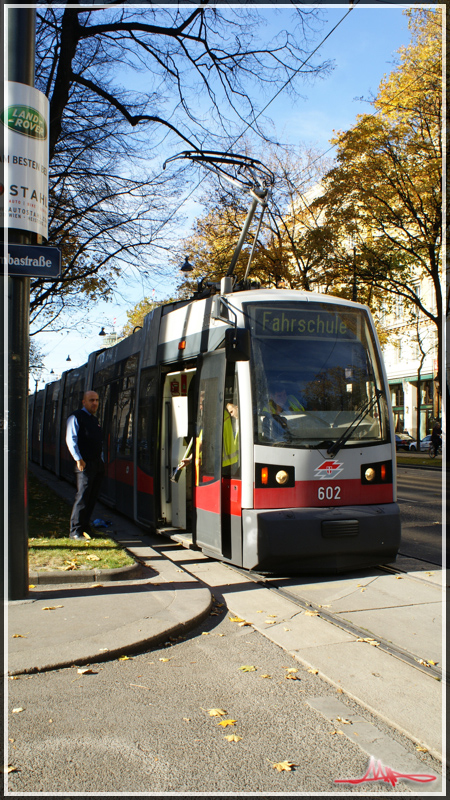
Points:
(384, 194)
(279, 257)
(123, 82)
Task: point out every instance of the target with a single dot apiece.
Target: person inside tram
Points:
(230, 448)
(281, 402)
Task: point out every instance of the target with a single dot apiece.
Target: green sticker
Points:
(25, 120)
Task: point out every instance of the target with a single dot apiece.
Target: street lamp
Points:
(186, 266)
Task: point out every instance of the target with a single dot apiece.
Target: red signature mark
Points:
(376, 771)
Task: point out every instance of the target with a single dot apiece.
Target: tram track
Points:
(385, 645)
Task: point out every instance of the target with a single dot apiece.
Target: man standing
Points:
(84, 440)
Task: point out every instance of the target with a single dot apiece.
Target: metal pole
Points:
(21, 55)
(244, 232)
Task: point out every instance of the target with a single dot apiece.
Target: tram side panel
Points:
(50, 427)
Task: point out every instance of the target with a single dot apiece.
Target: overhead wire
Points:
(250, 124)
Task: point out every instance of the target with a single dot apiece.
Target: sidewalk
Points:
(94, 621)
(88, 616)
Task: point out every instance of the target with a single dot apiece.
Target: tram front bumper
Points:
(295, 540)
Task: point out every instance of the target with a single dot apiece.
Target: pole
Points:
(21, 55)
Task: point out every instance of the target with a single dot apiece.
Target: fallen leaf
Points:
(17, 710)
(291, 677)
(18, 636)
(398, 577)
(86, 671)
(421, 749)
(270, 622)
(217, 712)
(205, 633)
(265, 676)
(286, 629)
(14, 677)
(51, 608)
(164, 659)
(369, 641)
(247, 668)
(236, 619)
(284, 766)
(272, 615)
(433, 663)
(313, 671)
(8, 769)
(241, 624)
(231, 737)
(127, 658)
(92, 558)
(312, 613)
(70, 565)
(32, 586)
(344, 721)
(291, 669)
(187, 719)
(226, 722)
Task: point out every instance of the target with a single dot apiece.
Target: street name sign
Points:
(26, 260)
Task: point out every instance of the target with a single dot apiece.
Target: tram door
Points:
(208, 452)
(175, 437)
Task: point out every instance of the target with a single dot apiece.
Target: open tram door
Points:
(176, 431)
(217, 485)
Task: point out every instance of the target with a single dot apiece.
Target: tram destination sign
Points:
(26, 260)
(312, 322)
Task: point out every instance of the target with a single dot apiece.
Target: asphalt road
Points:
(420, 501)
(143, 724)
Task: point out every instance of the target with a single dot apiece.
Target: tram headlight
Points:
(376, 472)
(274, 476)
(370, 474)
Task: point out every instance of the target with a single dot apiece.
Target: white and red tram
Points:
(299, 478)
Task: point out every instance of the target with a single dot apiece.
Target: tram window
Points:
(125, 423)
(147, 421)
(231, 459)
(314, 367)
(208, 457)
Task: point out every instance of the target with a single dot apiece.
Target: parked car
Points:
(403, 441)
(425, 444)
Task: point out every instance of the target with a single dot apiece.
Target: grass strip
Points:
(49, 546)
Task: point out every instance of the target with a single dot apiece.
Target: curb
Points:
(132, 572)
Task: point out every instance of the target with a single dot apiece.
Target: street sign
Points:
(35, 261)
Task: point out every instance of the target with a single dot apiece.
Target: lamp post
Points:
(355, 283)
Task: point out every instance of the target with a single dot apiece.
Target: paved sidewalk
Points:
(65, 624)
(88, 616)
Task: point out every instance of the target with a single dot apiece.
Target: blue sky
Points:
(363, 49)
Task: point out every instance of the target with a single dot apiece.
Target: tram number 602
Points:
(329, 492)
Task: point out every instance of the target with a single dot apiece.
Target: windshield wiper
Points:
(365, 410)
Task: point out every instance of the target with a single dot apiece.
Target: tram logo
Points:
(329, 469)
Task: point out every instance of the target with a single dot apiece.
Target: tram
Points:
(275, 401)
(308, 483)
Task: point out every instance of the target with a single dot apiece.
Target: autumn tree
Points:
(124, 82)
(384, 195)
(282, 257)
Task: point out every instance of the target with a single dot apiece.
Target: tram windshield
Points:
(316, 376)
